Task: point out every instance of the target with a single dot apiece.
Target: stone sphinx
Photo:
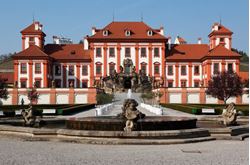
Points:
(229, 115)
(131, 114)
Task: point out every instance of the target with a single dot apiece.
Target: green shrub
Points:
(104, 98)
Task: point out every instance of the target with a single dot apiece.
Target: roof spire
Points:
(113, 16)
(141, 16)
(220, 20)
(33, 17)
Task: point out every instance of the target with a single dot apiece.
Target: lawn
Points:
(196, 108)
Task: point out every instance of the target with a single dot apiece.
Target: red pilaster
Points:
(183, 95)
(91, 81)
(30, 73)
(105, 64)
(45, 74)
(137, 58)
(118, 57)
(176, 75)
(71, 96)
(15, 96)
(190, 74)
(15, 71)
(223, 64)
(150, 60)
(237, 69)
(52, 96)
(202, 96)
(208, 65)
(77, 76)
(163, 65)
(64, 76)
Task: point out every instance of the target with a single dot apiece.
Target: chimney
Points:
(199, 40)
(162, 30)
(93, 30)
(86, 43)
(36, 25)
(215, 27)
(169, 43)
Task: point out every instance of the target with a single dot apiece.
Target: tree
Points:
(3, 90)
(225, 85)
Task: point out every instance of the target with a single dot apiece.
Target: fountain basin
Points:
(149, 123)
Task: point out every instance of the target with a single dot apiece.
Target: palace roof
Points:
(32, 30)
(33, 51)
(221, 30)
(116, 30)
(67, 52)
(198, 52)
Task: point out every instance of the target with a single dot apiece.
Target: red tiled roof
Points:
(187, 52)
(221, 30)
(181, 40)
(67, 52)
(117, 31)
(9, 76)
(31, 29)
(221, 51)
(33, 51)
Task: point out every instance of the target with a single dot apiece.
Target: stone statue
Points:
(229, 115)
(29, 116)
(130, 112)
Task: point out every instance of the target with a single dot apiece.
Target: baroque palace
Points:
(68, 73)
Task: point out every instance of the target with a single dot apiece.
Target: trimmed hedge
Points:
(197, 108)
(74, 109)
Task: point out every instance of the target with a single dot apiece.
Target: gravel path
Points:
(20, 152)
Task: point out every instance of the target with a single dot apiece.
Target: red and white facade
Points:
(183, 67)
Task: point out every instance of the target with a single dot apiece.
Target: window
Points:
(71, 70)
(23, 83)
(105, 33)
(31, 39)
(183, 83)
(57, 83)
(98, 69)
(196, 84)
(230, 67)
(170, 70)
(144, 68)
(156, 52)
(170, 84)
(23, 68)
(196, 70)
(37, 68)
(127, 33)
(58, 70)
(111, 52)
(71, 83)
(111, 68)
(127, 52)
(84, 70)
(216, 68)
(98, 52)
(143, 52)
(222, 39)
(156, 69)
(37, 83)
(85, 84)
(183, 70)
(150, 32)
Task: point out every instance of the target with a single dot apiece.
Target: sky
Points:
(74, 19)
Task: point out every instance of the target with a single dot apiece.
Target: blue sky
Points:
(188, 18)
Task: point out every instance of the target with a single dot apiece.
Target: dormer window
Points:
(105, 33)
(150, 32)
(127, 33)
